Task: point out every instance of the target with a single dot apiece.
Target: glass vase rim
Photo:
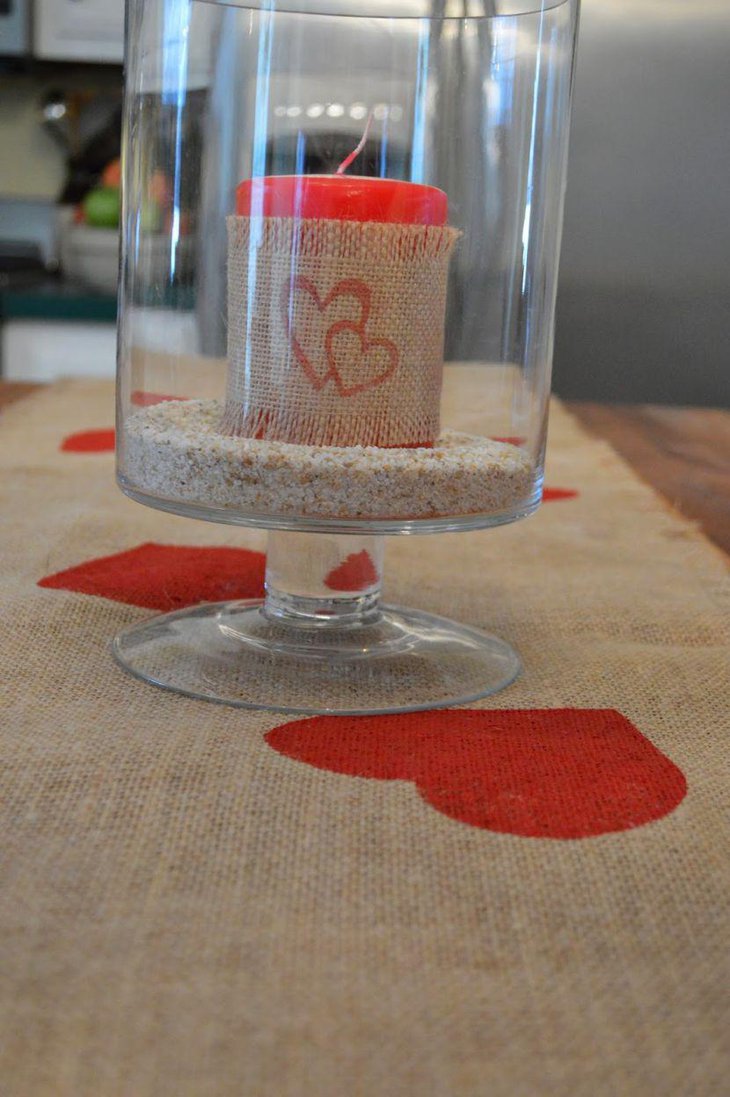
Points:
(455, 11)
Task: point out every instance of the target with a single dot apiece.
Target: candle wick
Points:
(356, 151)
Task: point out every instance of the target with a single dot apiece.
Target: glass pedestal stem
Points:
(320, 641)
(316, 580)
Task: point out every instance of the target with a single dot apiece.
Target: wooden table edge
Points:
(681, 452)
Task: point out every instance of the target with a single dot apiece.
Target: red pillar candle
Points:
(336, 303)
(342, 198)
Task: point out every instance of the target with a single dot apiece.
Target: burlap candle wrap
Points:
(335, 331)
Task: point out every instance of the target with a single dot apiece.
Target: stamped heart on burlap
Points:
(331, 346)
(166, 577)
(535, 773)
(356, 363)
(356, 572)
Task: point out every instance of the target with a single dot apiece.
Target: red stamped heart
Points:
(166, 577)
(89, 441)
(536, 773)
(373, 360)
(356, 572)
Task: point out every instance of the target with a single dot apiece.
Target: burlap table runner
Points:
(186, 910)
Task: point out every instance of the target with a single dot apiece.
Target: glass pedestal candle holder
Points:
(340, 248)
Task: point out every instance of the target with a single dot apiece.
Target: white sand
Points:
(175, 450)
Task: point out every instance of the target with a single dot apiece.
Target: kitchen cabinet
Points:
(79, 30)
(14, 28)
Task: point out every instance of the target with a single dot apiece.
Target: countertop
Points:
(51, 298)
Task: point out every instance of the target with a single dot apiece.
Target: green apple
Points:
(101, 207)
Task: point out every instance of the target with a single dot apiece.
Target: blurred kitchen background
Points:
(644, 297)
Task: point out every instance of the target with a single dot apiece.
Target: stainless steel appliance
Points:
(644, 299)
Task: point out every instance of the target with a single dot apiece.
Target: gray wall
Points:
(644, 297)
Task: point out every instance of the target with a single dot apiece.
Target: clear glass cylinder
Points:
(340, 244)
(321, 341)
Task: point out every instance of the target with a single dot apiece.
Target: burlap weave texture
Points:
(336, 330)
(186, 912)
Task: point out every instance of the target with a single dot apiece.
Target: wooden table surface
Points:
(684, 453)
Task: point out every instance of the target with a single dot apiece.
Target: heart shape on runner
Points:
(534, 773)
(345, 355)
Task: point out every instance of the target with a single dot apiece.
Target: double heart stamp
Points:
(342, 352)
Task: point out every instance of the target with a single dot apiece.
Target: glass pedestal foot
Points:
(320, 641)
(235, 654)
